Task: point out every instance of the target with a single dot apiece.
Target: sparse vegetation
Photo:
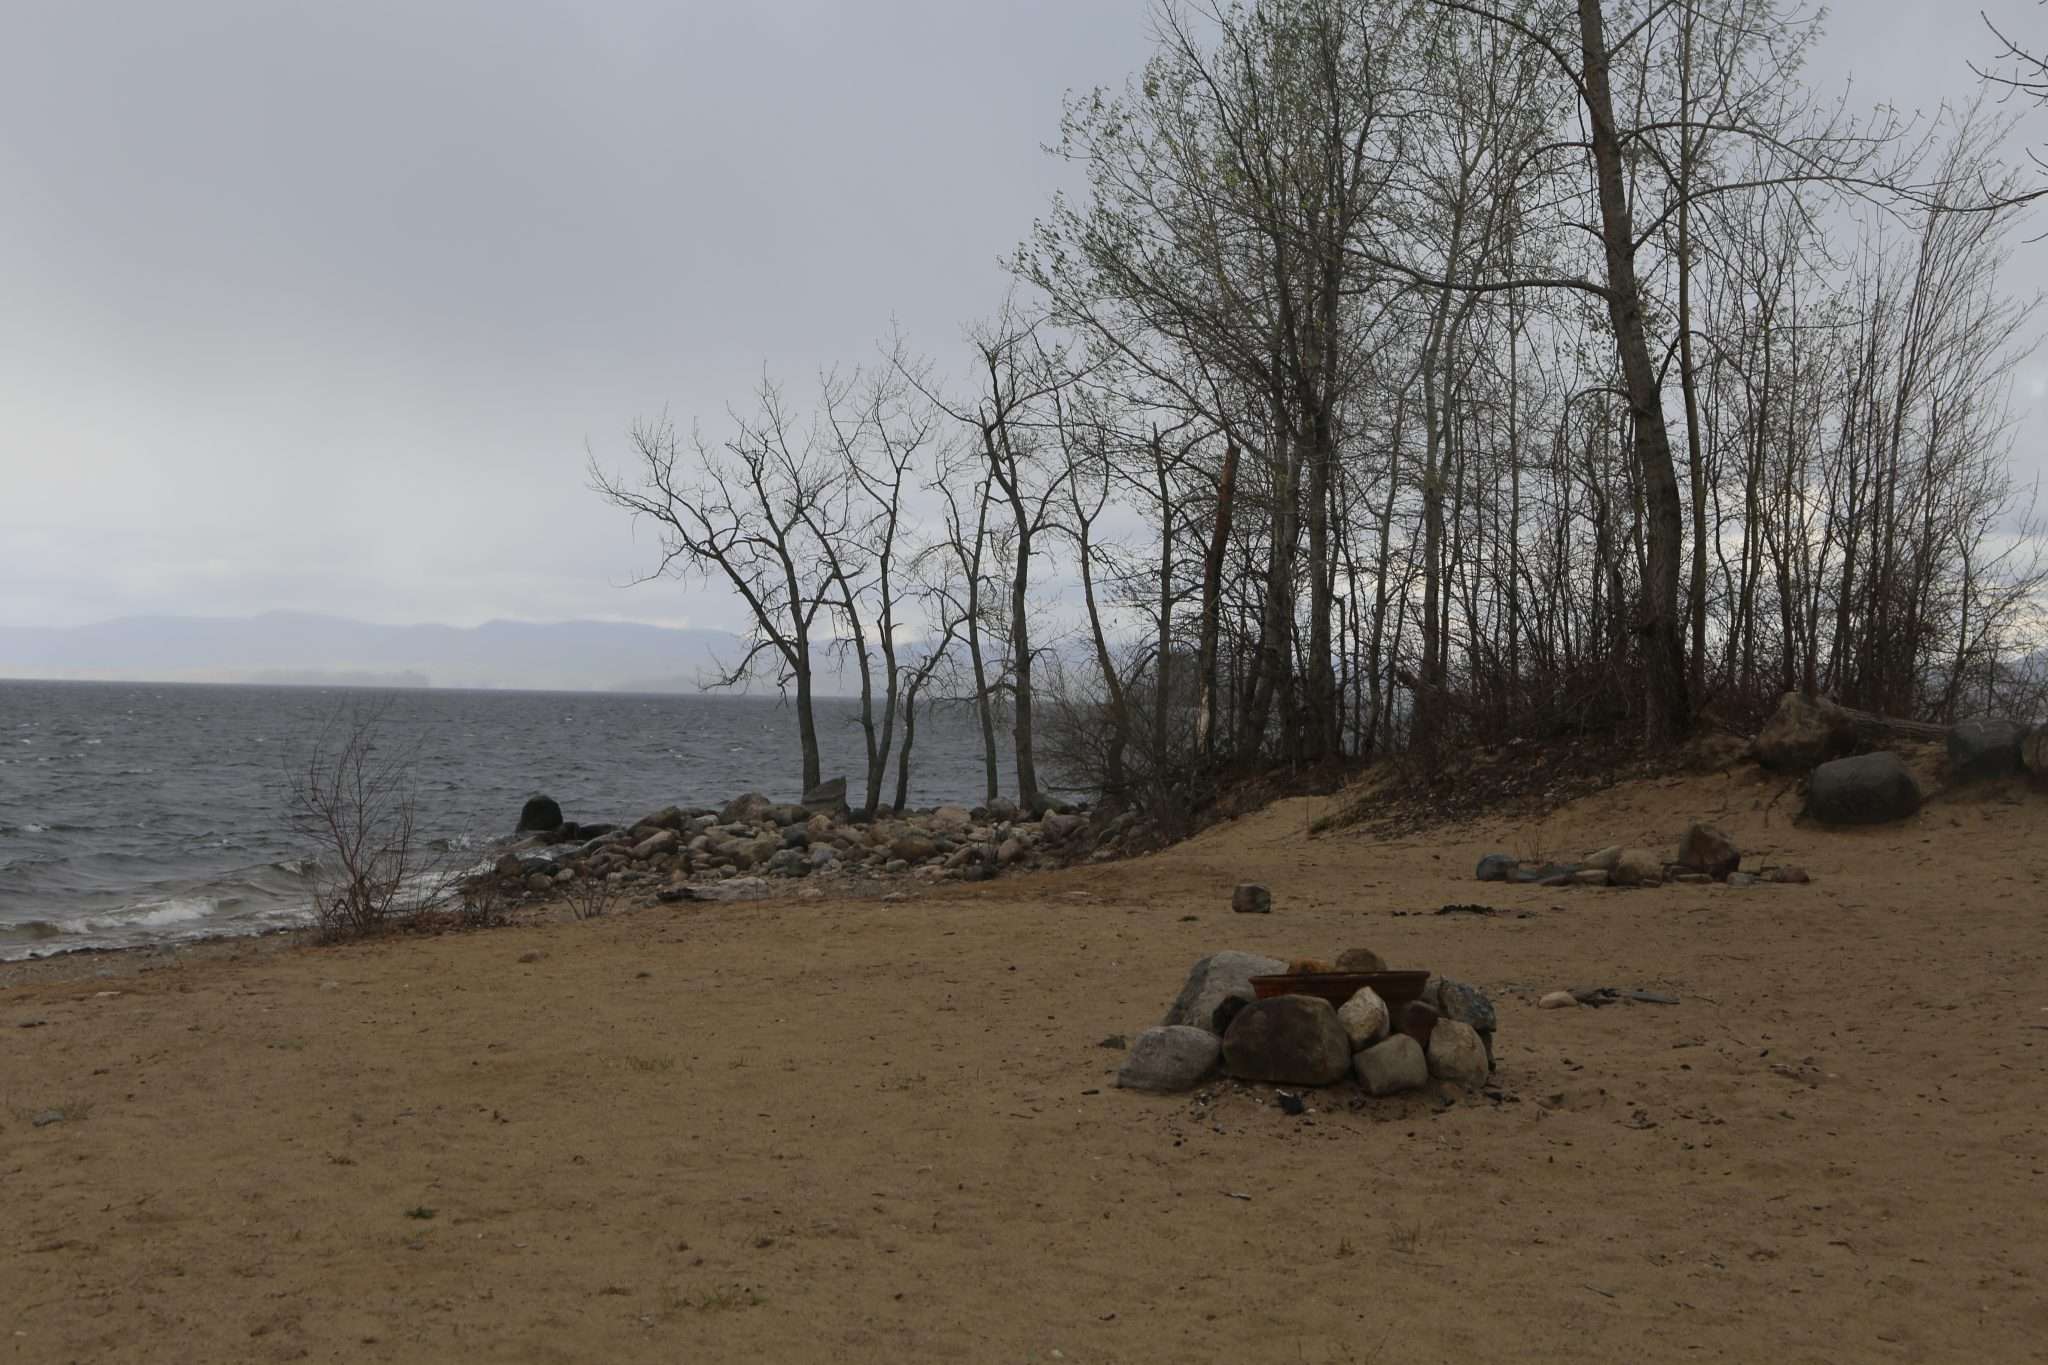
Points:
(592, 896)
(354, 797)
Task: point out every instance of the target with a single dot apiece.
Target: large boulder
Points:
(1287, 1040)
(827, 798)
(1002, 810)
(1457, 1054)
(746, 809)
(1168, 1058)
(1391, 1066)
(1703, 848)
(1984, 748)
(951, 819)
(539, 813)
(1215, 979)
(1804, 731)
(1869, 789)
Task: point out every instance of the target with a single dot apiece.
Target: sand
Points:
(857, 1130)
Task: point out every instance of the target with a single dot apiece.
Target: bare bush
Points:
(481, 903)
(592, 897)
(355, 798)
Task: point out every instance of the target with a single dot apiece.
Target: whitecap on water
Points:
(159, 914)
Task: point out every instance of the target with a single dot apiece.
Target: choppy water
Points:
(134, 813)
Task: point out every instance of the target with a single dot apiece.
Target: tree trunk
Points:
(806, 723)
(1020, 667)
(1667, 701)
(1212, 613)
(1162, 672)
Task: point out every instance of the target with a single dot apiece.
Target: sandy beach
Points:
(855, 1129)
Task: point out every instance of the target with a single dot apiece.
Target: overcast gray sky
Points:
(314, 305)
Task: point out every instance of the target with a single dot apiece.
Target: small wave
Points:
(146, 915)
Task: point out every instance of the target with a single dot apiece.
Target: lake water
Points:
(134, 813)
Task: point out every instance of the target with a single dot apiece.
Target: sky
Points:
(318, 307)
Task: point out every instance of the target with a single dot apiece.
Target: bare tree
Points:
(742, 512)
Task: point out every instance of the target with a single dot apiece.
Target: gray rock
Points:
(1804, 731)
(1010, 850)
(1169, 1058)
(1391, 1066)
(1703, 848)
(746, 809)
(822, 856)
(790, 862)
(1457, 1054)
(1741, 879)
(1869, 789)
(47, 1117)
(2034, 753)
(1003, 810)
(1789, 876)
(1467, 1005)
(967, 855)
(668, 817)
(1216, 978)
(1558, 1000)
(951, 818)
(1251, 899)
(827, 798)
(1592, 876)
(1287, 1040)
(1605, 859)
(1497, 867)
(1984, 748)
(1058, 826)
(664, 842)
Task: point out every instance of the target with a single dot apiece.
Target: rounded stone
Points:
(1391, 1066)
(1287, 1040)
(1169, 1058)
(539, 813)
(1364, 1017)
(1456, 1054)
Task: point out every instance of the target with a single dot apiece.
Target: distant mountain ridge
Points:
(308, 648)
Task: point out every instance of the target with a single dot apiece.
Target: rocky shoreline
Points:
(685, 853)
